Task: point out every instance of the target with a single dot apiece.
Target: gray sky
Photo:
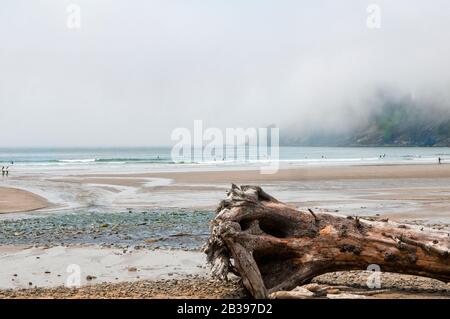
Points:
(137, 69)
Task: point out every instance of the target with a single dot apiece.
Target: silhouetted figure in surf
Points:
(7, 170)
(439, 160)
(3, 171)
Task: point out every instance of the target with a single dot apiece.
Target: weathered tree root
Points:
(275, 247)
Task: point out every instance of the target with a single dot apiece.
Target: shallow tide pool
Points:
(144, 228)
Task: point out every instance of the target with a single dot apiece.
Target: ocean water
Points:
(159, 158)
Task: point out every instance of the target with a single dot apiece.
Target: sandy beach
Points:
(397, 191)
(123, 243)
(318, 173)
(154, 148)
(17, 200)
(142, 274)
(51, 267)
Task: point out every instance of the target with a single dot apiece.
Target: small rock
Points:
(151, 240)
(333, 291)
(296, 293)
(313, 287)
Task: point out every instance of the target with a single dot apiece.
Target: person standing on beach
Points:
(439, 160)
(3, 170)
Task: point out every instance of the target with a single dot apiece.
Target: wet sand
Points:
(311, 173)
(18, 200)
(301, 173)
(29, 272)
(396, 191)
(417, 193)
(29, 267)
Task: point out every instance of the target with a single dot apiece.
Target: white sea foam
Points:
(131, 160)
(89, 160)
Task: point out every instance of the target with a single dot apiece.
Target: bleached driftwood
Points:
(275, 247)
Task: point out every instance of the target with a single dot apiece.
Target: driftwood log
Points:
(274, 247)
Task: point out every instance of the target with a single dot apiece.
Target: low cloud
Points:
(136, 70)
